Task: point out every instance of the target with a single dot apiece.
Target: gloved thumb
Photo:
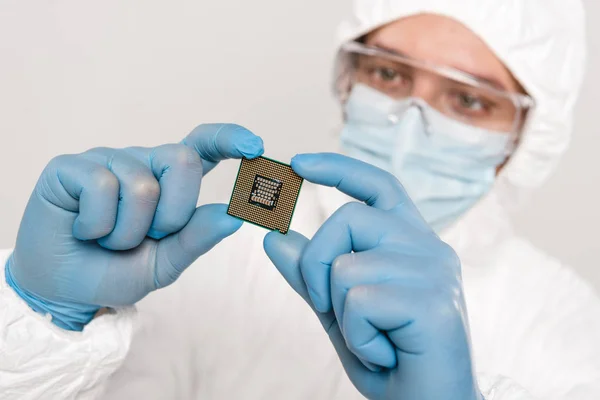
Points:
(208, 226)
(285, 252)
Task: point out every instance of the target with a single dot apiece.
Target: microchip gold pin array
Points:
(265, 193)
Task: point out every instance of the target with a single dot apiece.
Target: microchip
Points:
(265, 193)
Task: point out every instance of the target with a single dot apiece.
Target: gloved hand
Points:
(106, 227)
(387, 290)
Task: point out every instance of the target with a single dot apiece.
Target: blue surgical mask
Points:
(445, 166)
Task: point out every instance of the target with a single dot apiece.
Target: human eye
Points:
(388, 78)
(389, 75)
(471, 104)
(386, 74)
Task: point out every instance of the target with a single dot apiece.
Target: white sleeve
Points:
(501, 388)
(38, 360)
(555, 351)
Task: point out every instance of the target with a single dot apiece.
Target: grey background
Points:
(79, 74)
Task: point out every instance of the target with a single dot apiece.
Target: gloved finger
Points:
(285, 251)
(217, 142)
(388, 322)
(364, 182)
(376, 266)
(370, 312)
(138, 198)
(209, 225)
(354, 227)
(357, 370)
(178, 169)
(79, 185)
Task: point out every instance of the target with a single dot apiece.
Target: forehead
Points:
(443, 41)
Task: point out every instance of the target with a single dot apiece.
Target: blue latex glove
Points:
(106, 227)
(387, 290)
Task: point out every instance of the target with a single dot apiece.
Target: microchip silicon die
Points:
(265, 193)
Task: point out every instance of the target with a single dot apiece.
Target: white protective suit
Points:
(231, 328)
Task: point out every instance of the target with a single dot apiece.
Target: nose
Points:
(426, 87)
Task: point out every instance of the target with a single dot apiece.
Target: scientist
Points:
(468, 104)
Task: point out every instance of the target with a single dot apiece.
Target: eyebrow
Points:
(479, 77)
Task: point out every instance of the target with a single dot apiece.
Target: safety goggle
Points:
(452, 92)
